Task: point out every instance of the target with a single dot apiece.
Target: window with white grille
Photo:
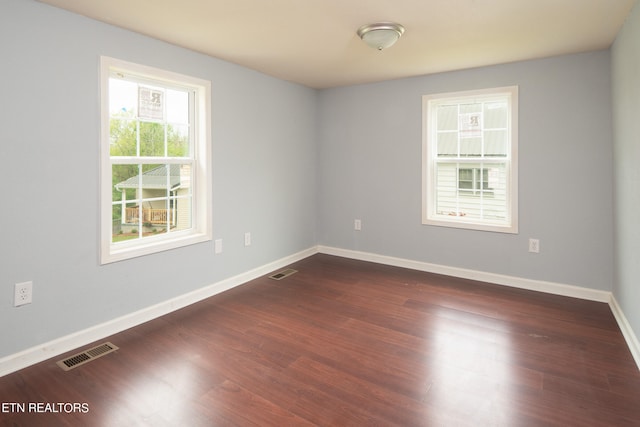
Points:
(155, 160)
(470, 159)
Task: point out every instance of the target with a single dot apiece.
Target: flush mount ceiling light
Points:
(380, 35)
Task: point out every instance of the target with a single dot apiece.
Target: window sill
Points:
(116, 252)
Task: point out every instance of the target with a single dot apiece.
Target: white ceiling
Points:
(314, 42)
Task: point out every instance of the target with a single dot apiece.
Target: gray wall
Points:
(263, 159)
(626, 112)
(370, 168)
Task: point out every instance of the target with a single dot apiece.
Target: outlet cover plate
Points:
(23, 294)
(534, 246)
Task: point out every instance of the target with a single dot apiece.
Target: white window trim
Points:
(429, 215)
(201, 229)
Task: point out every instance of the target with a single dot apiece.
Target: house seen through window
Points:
(470, 160)
(474, 180)
(155, 160)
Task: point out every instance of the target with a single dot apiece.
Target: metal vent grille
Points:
(282, 274)
(86, 356)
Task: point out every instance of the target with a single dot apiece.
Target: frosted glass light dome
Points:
(381, 35)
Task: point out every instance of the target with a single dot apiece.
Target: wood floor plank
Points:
(254, 410)
(381, 402)
(350, 343)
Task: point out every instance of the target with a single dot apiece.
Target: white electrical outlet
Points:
(247, 239)
(534, 246)
(357, 224)
(23, 294)
(217, 246)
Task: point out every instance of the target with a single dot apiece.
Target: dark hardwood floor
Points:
(349, 343)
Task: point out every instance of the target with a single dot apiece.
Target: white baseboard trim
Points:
(630, 337)
(482, 276)
(81, 338)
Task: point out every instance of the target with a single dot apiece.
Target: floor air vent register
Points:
(282, 274)
(86, 356)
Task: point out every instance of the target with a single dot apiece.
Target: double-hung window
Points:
(470, 159)
(155, 160)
